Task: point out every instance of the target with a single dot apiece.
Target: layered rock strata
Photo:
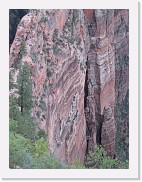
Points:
(100, 82)
(56, 49)
(75, 59)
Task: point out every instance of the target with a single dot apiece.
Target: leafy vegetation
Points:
(100, 160)
(19, 147)
(34, 57)
(11, 82)
(41, 133)
(58, 42)
(42, 104)
(75, 16)
(49, 73)
(28, 147)
(23, 49)
(122, 126)
(24, 153)
(77, 165)
(43, 19)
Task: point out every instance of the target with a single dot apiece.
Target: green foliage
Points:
(17, 64)
(77, 165)
(41, 133)
(121, 117)
(47, 161)
(21, 123)
(45, 85)
(100, 160)
(49, 73)
(14, 112)
(57, 51)
(40, 147)
(26, 128)
(13, 125)
(35, 11)
(57, 42)
(34, 57)
(11, 82)
(27, 155)
(75, 16)
(23, 49)
(23, 126)
(43, 19)
(18, 147)
(27, 148)
(55, 35)
(24, 84)
(42, 105)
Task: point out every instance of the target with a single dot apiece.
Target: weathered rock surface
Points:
(75, 60)
(15, 16)
(121, 45)
(56, 49)
(100, 88)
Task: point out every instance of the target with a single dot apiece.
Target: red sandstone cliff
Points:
(75, 58)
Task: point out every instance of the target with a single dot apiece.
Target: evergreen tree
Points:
(11, 84)
(14, 112)
(24, 84)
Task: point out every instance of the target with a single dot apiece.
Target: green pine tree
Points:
(24, 84)
(11, 84)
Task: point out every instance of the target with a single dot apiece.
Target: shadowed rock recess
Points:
(79, 65)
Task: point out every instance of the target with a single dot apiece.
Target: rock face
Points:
(15, 16)
(107, 81)
(75, 60)
(100, 84)
(121, 45)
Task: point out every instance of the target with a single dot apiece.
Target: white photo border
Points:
(133, 171)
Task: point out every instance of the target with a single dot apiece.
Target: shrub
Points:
(34, 57)
(75, 16)
(49, 73)
(77, 165)
(40, 147)
(19, 146)
(38, 114)
(56, 51)
(26, 127)
(13, 125)
(42, 105)
(43, 19)
(23, 49)
(41, 133)
(47, 161)
(14, 112)
(100, 160)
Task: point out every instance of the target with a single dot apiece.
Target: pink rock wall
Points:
(73, 56)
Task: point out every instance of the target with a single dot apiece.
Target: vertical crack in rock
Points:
(101, 81)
